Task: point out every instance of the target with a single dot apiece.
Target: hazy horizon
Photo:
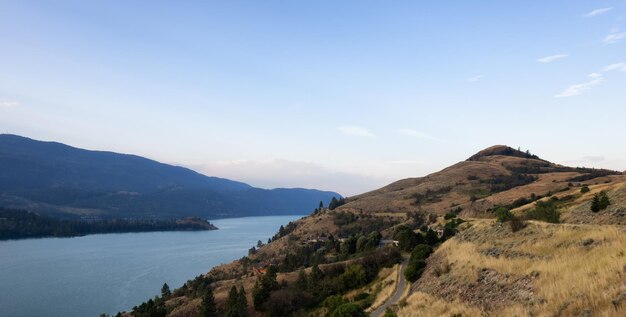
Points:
(335, 96)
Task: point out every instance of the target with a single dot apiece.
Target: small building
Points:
(439, 231)
(260, 268)
(388, 242)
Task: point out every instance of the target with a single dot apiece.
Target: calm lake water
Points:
(107, 273)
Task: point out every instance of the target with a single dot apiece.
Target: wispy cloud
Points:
(577, 89)
(621, 67)
(355, 130)
(597, 12)
(416, 134)
(9, 104)
(614, 37)
(474, 79)
(404, 162)
(551, 58)
(594, 158)
(279, 173)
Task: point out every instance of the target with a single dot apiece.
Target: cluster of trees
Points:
(342, 218)
(17, 224)
(152, 308)
(351, 224)
(417, 262)
(505, 182)
(312, 289)
(408, 239)
(359, 243)
(591, 173)
(283, 231)
(306, 255)
(431, 195)
(545, 211)
(237, 303)
(505, 215)
(263, 287)
(334, 203)
(600, 201)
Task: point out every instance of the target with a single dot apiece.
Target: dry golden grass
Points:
(423, 305)
(385, 285)
(571, 273)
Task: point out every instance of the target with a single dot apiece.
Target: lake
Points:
(107, 273)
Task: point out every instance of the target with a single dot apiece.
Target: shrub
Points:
(545, 211)
(503, 214)
(584, 189)
(517, 224)
(414, 270)
(348, 310)
(421, 251)
(389, 313)
(600, 201)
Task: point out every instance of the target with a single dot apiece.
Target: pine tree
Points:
(605, 202)
(301, 282)
(165, 291)
(232, 303)
(259, 295)
(208, 308)
(242, 303)
(595, 203)
(334, 203)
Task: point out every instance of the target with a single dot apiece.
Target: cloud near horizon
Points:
(551, 58)
(9, 104)
(278, 173)
(355, 130)
(416, 134)
(597, 12)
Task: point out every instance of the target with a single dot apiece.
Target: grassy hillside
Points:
(496, 254)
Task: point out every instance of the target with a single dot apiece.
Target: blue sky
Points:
(337, 95)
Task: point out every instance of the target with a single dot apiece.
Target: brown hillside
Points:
(573, 268)
(498, 175)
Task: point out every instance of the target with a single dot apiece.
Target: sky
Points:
(336, 95)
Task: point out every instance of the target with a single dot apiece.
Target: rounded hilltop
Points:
(504, 150)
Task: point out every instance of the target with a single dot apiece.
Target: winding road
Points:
(397, 294)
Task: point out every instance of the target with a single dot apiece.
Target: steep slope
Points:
(573, 267)
(62, 180)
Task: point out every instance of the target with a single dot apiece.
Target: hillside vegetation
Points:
(504, 233)
(59, 180)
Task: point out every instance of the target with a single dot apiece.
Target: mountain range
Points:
(63, 181)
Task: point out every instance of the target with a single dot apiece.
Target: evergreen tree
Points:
(242, 303)
(604, 200)
(165, 291)
(595, 203)
(431, 237)
(321, 204)
(314, 278)
(232, 303)
(301, 282)
(208, 308)
(259, 295)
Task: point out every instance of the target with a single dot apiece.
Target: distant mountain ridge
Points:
(54, 178)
